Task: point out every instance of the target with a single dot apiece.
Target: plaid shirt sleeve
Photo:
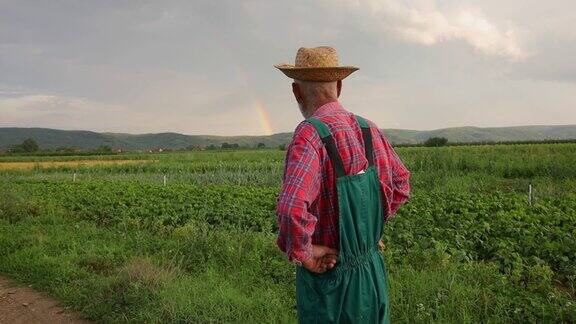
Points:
(301, 186)
(399, 177)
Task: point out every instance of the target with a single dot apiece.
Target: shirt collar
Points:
(327, 108)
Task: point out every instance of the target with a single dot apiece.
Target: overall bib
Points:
(356, 289)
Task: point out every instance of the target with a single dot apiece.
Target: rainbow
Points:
(261, 110)
(244, 77)
(264, 117)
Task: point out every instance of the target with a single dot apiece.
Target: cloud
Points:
(200, 67)
(24, 102)
(425, 24)
(50, 110)
(173, 111)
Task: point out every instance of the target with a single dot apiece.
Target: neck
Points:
(315, 104)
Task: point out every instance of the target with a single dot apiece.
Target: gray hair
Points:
(317, 90)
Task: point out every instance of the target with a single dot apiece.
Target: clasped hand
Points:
(324, 258)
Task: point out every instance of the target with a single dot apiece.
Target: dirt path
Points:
(24, 305)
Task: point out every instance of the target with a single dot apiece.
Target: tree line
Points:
(442, 141)
(30, 146)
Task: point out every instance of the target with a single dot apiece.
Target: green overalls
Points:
(356, 289)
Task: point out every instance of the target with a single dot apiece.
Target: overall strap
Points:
(367, 136)
(330, 145)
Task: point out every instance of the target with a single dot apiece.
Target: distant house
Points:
(194, 147)
(64, 149)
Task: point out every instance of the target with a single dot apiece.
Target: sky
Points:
(206, 67)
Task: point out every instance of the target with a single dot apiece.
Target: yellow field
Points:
(60, 164)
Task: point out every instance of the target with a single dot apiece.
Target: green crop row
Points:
(468, 246)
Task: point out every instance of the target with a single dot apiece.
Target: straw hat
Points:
(316, 64)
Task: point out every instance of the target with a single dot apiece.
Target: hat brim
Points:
(316, 74)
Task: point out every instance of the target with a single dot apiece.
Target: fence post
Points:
(164, 180)
(74, 177)
(530, 194)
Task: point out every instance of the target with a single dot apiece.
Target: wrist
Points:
(300, 257)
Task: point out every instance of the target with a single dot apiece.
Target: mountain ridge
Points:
(49, 138)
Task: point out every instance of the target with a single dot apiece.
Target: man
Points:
(342, 181)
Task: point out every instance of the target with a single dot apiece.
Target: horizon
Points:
(207, 68)
(249, 135)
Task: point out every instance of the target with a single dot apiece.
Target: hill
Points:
(54, 138)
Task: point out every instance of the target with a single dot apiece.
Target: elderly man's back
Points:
(309, 180)
(342, 181)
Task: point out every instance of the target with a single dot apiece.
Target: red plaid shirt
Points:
(307, 208)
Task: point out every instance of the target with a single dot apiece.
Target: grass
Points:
(119, 246)
(113, 275)
(195, 275)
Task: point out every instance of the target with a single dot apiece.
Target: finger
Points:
(330, 258)
(323, 250)
(320, 269)
(325, 261)
(381, 245)
(312, 264)
(329, 263)
(331, 251)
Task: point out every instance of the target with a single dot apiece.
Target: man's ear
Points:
(338, 88)
(297, 92)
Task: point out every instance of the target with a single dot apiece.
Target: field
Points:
(60, 164)
(190, 237)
